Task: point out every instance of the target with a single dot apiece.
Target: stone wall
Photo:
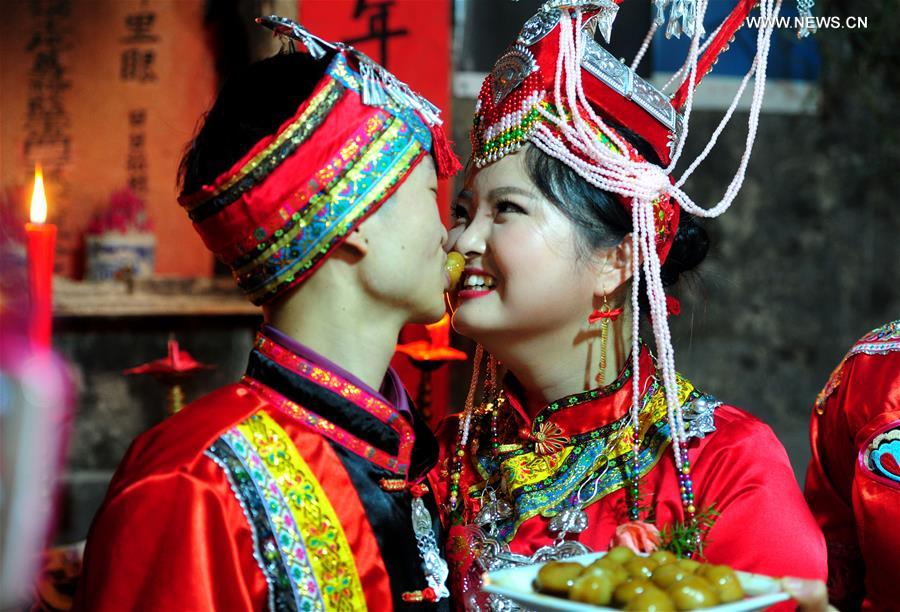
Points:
(112, 409)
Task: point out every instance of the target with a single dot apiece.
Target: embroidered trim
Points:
(282, 228)
(289, 514)
(586, 396)
(544, 485)
(269, 158)
(379, 409)
(351, 79)
(267, 551)
(389, 159)
(324, 427)
(282, 475)
(880, 341)
(881, 455)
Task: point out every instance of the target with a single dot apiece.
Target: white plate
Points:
(516, 584)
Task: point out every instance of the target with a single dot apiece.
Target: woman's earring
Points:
(604, 314)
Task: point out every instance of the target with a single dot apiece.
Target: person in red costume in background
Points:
(572, 227)
(302, 487)
(853, 481)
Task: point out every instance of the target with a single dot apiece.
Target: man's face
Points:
(404, 265)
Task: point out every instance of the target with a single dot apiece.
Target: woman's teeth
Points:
(476, 281)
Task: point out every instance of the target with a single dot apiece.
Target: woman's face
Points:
(523, 276)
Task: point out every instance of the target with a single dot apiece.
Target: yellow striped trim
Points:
(328, 92)
(531, 468)
(355, 176)
(329, 552)
(316, 203)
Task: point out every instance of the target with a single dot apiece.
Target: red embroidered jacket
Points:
(287, 491)
(853, 481)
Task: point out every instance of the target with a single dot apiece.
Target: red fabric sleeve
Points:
(174, 541)
(828, 490)
(765, 526)
(857, 509)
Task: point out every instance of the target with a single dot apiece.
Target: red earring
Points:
(604, 314)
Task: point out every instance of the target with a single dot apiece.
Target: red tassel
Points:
(673, 306)
(445, 160)
(426, 594)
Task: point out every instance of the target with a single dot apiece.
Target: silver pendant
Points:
(603, 20)
(436, 570)
(807, 22)
(570, 520)
(492, 511)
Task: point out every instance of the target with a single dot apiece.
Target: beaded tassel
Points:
(462, 434)
(634, 507)
(642, 182)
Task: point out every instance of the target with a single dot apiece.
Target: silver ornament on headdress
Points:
(379, 86)
(510, 70)
(543, 22)
(282, 26)
(682, 17)
(807, 23)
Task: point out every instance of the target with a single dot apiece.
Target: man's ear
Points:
(613, 267)
(356, 242)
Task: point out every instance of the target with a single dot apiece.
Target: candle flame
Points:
(38, 197)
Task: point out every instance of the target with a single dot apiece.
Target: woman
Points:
(571, 229)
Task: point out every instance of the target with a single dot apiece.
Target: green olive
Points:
(666, 575)
(594, 589)
(557, 577)
(724, 582)
(693, 592)
(630, 589)
(614, 570)
(689, 565)
(640, 567)
(620, 554)
(651, 600)
(663, 556)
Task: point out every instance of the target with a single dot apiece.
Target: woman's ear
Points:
(613, 267)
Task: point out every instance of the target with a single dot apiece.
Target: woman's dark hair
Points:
(599, 218)
(252, 104)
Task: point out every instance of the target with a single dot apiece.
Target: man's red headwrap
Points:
(281, 210)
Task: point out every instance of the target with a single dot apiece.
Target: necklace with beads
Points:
(549, 439)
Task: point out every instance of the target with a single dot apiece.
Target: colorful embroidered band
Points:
(281, 210)
(306, 557)
(367, 402)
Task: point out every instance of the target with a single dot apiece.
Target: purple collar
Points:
(392, 391)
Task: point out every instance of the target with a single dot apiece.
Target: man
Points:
(303, 485)
(853, 481)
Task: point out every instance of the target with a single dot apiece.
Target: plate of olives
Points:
(620, 579)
